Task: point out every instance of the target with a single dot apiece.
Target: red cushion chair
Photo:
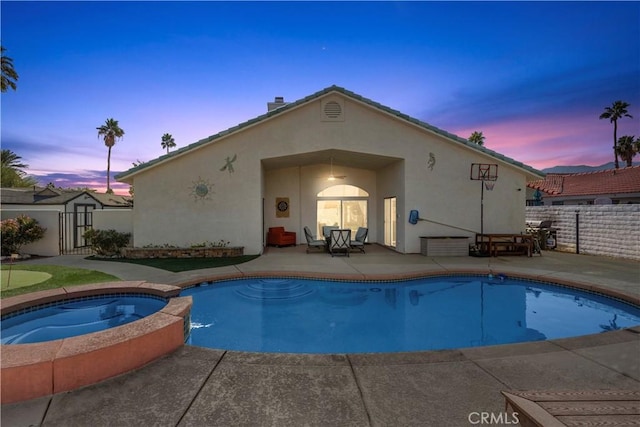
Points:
(278, 237)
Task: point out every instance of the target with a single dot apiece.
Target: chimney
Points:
(277, 103)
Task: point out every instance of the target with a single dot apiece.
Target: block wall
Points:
(610, 230)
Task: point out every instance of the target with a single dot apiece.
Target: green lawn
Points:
(60, 276)
(19, 278)
(21, 281)
(177, 265)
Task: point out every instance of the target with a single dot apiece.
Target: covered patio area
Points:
(331, 188)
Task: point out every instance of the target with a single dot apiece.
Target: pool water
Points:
(314, 316)
(77, 317)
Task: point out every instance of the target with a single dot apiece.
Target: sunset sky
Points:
(532, 76)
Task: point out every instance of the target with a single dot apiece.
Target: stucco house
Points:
(331, 158)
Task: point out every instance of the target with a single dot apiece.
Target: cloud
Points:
(93, 179)
(34, 150)
(547, 120)
(546, 141)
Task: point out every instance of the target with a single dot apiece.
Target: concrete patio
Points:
(202, 387)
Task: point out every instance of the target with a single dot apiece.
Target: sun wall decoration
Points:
(201, 190)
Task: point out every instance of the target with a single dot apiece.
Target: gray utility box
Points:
(444, 245)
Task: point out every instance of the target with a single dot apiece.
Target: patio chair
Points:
(277, 236)
(313, 243)
(339, 242)
(326, 230)
(361, 236)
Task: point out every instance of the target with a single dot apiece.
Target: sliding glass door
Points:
(343, 206)
(349, 214)
(390, 219)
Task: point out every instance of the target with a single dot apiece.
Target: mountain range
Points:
(584, 168)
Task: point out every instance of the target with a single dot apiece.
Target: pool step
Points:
(275, 289)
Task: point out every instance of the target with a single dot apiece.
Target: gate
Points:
(72, 226)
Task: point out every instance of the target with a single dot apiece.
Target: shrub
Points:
(207, 244)
(19, 231)
(107, 242)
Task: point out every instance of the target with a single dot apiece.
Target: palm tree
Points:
(617, 110)
(9, 75)
(477, 138)
(167, 141)
(111, 132)
(627, 148)
(11, 159)
(12, 173)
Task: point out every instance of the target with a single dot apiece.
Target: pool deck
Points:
(202, 387)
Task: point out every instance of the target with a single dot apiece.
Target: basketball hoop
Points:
(487, 174)
(484, 172)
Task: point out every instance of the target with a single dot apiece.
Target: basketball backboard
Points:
(484, 171)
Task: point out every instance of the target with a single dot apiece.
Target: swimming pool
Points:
(318, 316)
(77, 316)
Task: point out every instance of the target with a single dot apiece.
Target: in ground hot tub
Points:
(121, 338)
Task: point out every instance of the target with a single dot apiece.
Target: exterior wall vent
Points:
(332, 111)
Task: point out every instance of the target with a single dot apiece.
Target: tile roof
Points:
(48, 196)
(612, 181)
(330, 89)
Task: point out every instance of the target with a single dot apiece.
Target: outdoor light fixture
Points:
(333, 177)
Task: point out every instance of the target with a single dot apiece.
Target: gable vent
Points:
(332, 110)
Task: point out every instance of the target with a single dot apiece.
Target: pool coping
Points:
(39, 369)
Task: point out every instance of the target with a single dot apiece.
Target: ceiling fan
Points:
(333, 177)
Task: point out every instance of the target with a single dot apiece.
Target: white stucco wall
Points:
(167, 211)
(283, 183)
(390, 182)
(49, 245)
(113, 219)
(447, 196)
(241, 205)
(16, 207)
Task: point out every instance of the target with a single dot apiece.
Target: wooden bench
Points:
(512, 248)
(505, 244)
(572, 408)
